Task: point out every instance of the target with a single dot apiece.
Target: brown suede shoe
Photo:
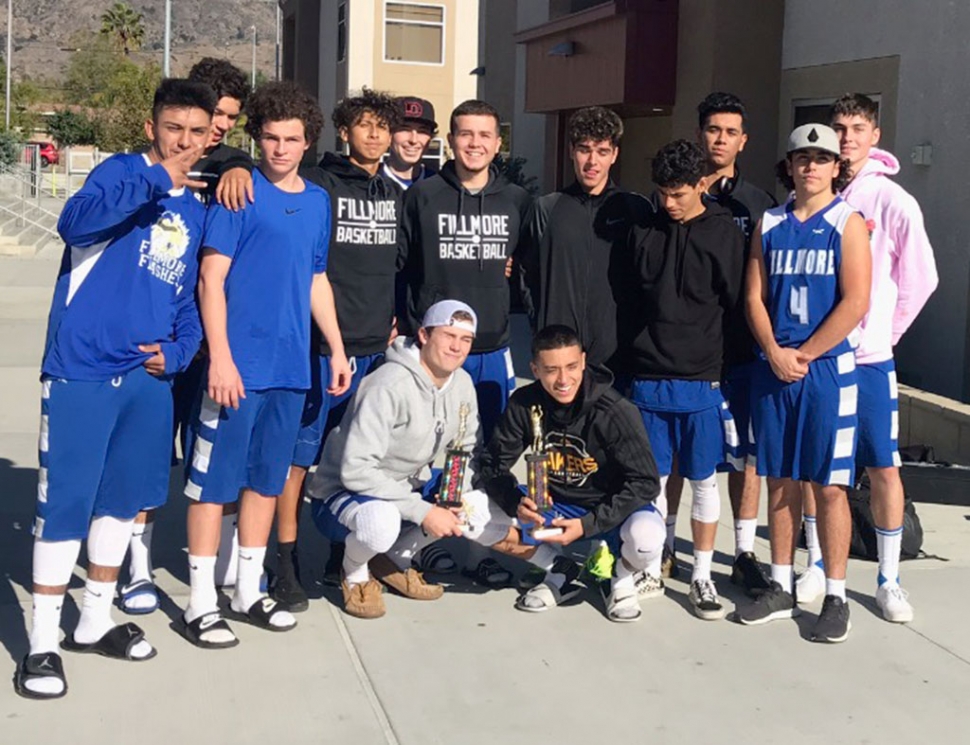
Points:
(409, 583)
(363, 601)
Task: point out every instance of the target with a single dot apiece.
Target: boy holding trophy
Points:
(591, 474)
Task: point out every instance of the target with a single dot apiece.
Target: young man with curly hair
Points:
(362, 266)
(722, 133)
(572, 234)
(680, 275)
(903, 278)
(123, 320)
(257, 323)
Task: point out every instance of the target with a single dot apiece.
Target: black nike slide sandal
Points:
(116, 644)
(42, 665)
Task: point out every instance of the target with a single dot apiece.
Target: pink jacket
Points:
(903, 269)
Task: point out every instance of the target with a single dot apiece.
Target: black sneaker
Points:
(335, 565)
(771, 605)
(750, 574)
(833, 623)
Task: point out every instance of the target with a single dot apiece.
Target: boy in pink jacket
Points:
(903, 278)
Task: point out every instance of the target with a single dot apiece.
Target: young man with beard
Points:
(231, 88)
(602, 476)
(722, 134)
(680, 277)
(808, 282)
(903, 278)
(123, 321)
(375, 472)
(363, 261)
(257, 322)
(571, 236)
(409, 142)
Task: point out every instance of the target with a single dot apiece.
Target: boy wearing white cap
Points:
(375, 471)
(807, 290)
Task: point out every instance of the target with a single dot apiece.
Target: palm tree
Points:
(124, 23)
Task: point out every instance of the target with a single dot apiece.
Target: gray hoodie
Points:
(397, 424)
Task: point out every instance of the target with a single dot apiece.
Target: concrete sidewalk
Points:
(469, 668)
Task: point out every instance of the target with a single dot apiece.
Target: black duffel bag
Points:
(863, 544)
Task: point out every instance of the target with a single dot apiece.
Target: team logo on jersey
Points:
(871, 226)
(170, 237)
(161, 255)
(570, 464)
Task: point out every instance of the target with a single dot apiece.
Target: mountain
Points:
(47, 31)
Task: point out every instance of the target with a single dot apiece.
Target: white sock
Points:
(671, 522)
(784, 575)
(45, 623)
(140, 558)
(247, 580)
(95, 611)
(356, 556)
(202, 587)
(544, 557)
(744, 533)
(889, 543)
(702, 565)
(835, 587)
(811, 542)
(227, 559)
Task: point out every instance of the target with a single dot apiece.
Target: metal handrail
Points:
(46, 228)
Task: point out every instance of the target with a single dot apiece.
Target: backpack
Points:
(863, 545)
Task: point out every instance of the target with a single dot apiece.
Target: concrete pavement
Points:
(469, 668)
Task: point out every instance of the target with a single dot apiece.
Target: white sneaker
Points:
(703, 598)
(894, 604)
(810, 585)
(649, 586)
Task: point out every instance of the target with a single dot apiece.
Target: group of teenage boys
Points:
(354, 316)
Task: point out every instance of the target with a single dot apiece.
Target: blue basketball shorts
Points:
(246, 448)
(737, 392)
(105, 450)
(878, 443)
(807, 430)
(494, 379)
(322, 411)
(700, 438)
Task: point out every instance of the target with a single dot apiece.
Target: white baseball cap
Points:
(818, 136)
(443, 312)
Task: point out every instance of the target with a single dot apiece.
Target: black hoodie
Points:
(568, 246)
(457, 244)
(600, 455)
(364, 253)
(673, 288)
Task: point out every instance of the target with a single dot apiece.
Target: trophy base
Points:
(450, 504)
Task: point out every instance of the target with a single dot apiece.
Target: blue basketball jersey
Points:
(803, 260)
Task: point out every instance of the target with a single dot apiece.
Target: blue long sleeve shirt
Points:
(128, 275)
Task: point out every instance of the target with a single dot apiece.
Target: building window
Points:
(414, 33)
(342, 32)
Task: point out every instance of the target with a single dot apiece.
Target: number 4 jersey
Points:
(803, 260)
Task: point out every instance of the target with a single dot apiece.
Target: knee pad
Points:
(54, 561)
(643, 535)
(377, 525)
(108, 539)
(706, 505)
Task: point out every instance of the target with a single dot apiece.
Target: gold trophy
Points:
(456, 461)
(537, 476)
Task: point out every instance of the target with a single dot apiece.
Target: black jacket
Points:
(746, 203)
(568, 246)
(673, 287)
(457, 245)
(364, 252)
(600, 455)
(217, 161)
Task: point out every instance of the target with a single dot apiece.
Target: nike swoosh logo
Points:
(617, 221)
(291, 212)
(96, 594)
(193, 567)
(207, 622)
(246, 558)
